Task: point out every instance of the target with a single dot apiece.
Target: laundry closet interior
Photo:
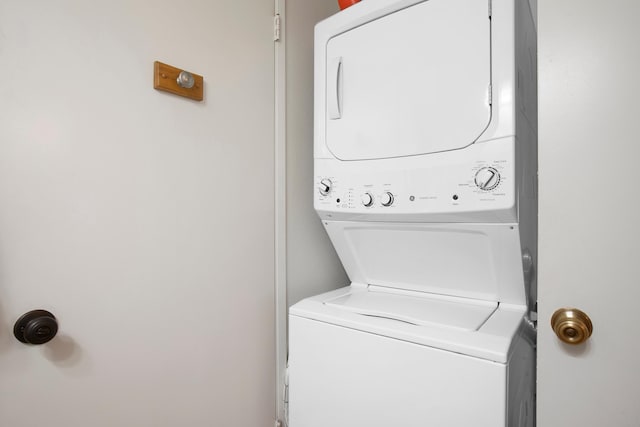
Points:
(301, 213)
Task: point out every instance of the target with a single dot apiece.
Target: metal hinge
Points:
(276, 27)
(285, 395)
(489, 8)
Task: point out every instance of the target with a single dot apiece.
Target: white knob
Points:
(325, 186)
(367, 199)
(386, 199)
(487, 178)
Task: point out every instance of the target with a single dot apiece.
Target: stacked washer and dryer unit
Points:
(425, 175)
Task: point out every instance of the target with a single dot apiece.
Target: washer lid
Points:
(472, 261)
(415, 81)
(491, 340)
(416, 308)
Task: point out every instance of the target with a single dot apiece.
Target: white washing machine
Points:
(425, 167)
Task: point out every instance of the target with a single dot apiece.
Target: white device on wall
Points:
(425, 177)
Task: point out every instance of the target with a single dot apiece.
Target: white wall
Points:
(144, 221)
(312, 264)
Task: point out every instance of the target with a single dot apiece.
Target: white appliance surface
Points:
(484, 330)
(417, 308)
(411, 82)
(344, 377)
(501, 74)
(440, 187)
(479, 261)
(426, 188)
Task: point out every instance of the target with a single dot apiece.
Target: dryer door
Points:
(415, 81)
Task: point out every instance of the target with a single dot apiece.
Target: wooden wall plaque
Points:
(165, 78)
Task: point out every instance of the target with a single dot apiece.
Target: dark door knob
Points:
(36, 327)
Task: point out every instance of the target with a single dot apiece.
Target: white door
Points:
(589, 90)
(385, 91)
(124, 212)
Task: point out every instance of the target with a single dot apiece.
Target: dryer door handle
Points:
(334, 88)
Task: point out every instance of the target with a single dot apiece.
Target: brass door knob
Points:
(571, 325)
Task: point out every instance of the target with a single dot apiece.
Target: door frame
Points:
(280, 209)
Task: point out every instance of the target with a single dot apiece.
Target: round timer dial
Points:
(325, 186)
(487, 178)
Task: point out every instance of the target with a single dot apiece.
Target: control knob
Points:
(367, 199)
(487, 178)
(386, 199)
(325, 186)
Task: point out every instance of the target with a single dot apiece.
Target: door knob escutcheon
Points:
(572, 326)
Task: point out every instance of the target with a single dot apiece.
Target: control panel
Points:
(477, 183)
(479, 186)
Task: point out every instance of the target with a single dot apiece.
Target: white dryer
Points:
(425, 166)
